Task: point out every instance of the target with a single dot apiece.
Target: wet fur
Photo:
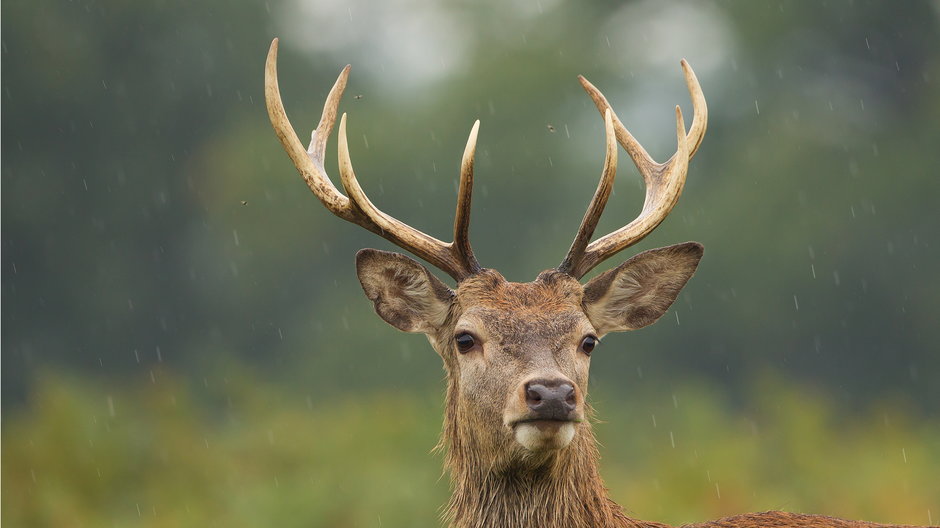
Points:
(495, 481)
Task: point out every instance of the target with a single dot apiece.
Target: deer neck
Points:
(557, 489)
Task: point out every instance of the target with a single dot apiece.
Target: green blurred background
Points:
(185, 342)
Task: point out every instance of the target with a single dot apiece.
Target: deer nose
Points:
(551, 399)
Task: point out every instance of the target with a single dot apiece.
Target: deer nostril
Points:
(534, 394)
(570, 399)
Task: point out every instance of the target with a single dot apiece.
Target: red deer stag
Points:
(520, 448)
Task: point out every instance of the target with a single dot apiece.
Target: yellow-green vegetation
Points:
(83, 455)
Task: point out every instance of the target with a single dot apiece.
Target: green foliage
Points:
(80, 455)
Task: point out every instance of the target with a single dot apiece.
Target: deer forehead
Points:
(551, 291)
(548, 308)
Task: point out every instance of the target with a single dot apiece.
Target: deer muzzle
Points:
(552, 412)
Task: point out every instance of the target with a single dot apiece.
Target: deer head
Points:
(517, 355)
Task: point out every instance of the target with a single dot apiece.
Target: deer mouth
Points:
(545, 423)
(542, 435)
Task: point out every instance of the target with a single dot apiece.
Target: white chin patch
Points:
(543, 435)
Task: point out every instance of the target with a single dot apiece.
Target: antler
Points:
(664, 181)
(455, 258)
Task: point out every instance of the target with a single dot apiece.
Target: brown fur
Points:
(495, 482)
(779, 519)
(523, 331)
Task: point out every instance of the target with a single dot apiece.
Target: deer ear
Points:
(404, 292)
(639, 291)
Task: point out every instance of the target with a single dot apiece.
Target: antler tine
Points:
(598, 202)
(464, 195)
(320, 135)
(456, 259)
(309, 165)
(664, 181)
(643, 161)
(699, 108)
(640, 157)
(440, 254)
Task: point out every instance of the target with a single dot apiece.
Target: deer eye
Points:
(588, 344)
(464, 342)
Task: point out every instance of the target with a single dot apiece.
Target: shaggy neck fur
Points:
(497, 486)
(497, 483)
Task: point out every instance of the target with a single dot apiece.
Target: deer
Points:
(517, 434)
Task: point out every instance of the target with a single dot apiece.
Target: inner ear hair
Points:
(403, 292)
(639, 291)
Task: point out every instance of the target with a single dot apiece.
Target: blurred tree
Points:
(150, 216)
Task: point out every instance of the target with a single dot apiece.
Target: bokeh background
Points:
(185, 342)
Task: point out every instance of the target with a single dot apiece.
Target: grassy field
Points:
(85, 455)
